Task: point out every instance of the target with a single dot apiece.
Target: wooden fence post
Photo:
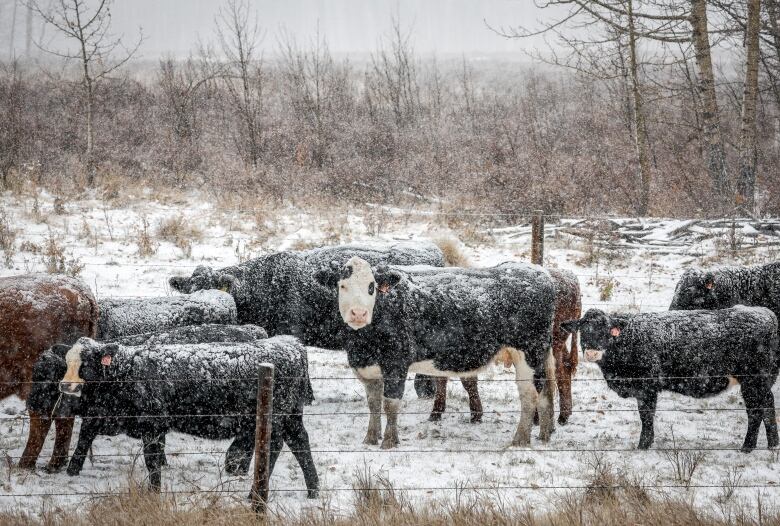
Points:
(265, 399)
(537, 238)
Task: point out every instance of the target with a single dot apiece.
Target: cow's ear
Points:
(570, 326)
(225, 282)
(179, 283)
(386, 279)
(107, 353)
(327, 277)
(709, 280)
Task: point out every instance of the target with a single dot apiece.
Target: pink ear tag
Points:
(614, 331)
(106, 361)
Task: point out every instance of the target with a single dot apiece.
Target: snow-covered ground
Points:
(103, 238)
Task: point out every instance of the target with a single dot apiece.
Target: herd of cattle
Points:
(189, 363)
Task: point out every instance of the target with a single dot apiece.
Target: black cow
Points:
(447, 322)
(206, 390)
(695, 353)
(118, 317)
(724, 287)
(277, 292)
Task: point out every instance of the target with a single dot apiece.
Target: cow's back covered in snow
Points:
(128, 316)
(728, 286)
(277, 292)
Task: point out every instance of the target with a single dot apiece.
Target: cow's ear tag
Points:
(709, 285)
(106, 361)
(614, 331)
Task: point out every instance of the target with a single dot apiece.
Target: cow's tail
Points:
(452, 249)
(94, 314)
(307, 392)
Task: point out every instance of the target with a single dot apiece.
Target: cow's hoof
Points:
(521, 440)
(476, 418)
(389, 443)
(563, 419)
(371, 439)
(54, 468)
(747, 449)
(435, 417)
(30, 466)
(73, 471)
(312, 494)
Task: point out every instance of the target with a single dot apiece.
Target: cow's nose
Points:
(358, 314)
(71, 388)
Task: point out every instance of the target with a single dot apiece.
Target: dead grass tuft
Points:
(7, 238)
(146, 245)
(179, 231)
(454, 255)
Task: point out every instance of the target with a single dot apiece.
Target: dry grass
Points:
(179, 231)
(56, 260)
(7, 238)
(146, 245)
(611, 499)
(454, 255)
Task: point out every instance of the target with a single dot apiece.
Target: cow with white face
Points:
(445, 322)
(147, 390)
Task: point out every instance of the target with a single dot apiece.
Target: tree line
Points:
(664, 107)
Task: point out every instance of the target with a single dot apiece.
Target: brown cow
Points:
(568, 306)
(37, 311)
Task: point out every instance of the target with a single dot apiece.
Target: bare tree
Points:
(88, 28)
(615, 47)
(239, 39)
(393, 77)
(747, 139)
(13, 132)
(318, 92)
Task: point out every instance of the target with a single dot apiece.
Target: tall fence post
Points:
(537, 238)
(265, 399)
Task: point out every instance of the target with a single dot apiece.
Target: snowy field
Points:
(104, 240)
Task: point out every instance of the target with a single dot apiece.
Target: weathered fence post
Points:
(537, 238)
(265, 398)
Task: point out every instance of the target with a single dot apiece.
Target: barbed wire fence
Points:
(537, 230)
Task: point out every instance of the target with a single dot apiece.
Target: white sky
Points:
(354, 27)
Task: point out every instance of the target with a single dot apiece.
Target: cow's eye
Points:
(343, 287)
(371, 289)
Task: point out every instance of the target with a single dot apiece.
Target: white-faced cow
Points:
(450, 322)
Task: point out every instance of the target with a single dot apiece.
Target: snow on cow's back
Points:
(36, 291)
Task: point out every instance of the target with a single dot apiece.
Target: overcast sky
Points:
(444, 27)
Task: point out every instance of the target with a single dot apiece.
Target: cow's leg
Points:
(297, 440)
(646, 406)
(239, 454)
(90, 428)
(753, 395)
(475, 404)
(153, 457)
(425, 386)
(374, 389)
(440, 401)
(63, 432)
(393, 392)
(524, 378)
(276, 445)
(544, 383)
(563, 373)
(770, 421)
(39, 428)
